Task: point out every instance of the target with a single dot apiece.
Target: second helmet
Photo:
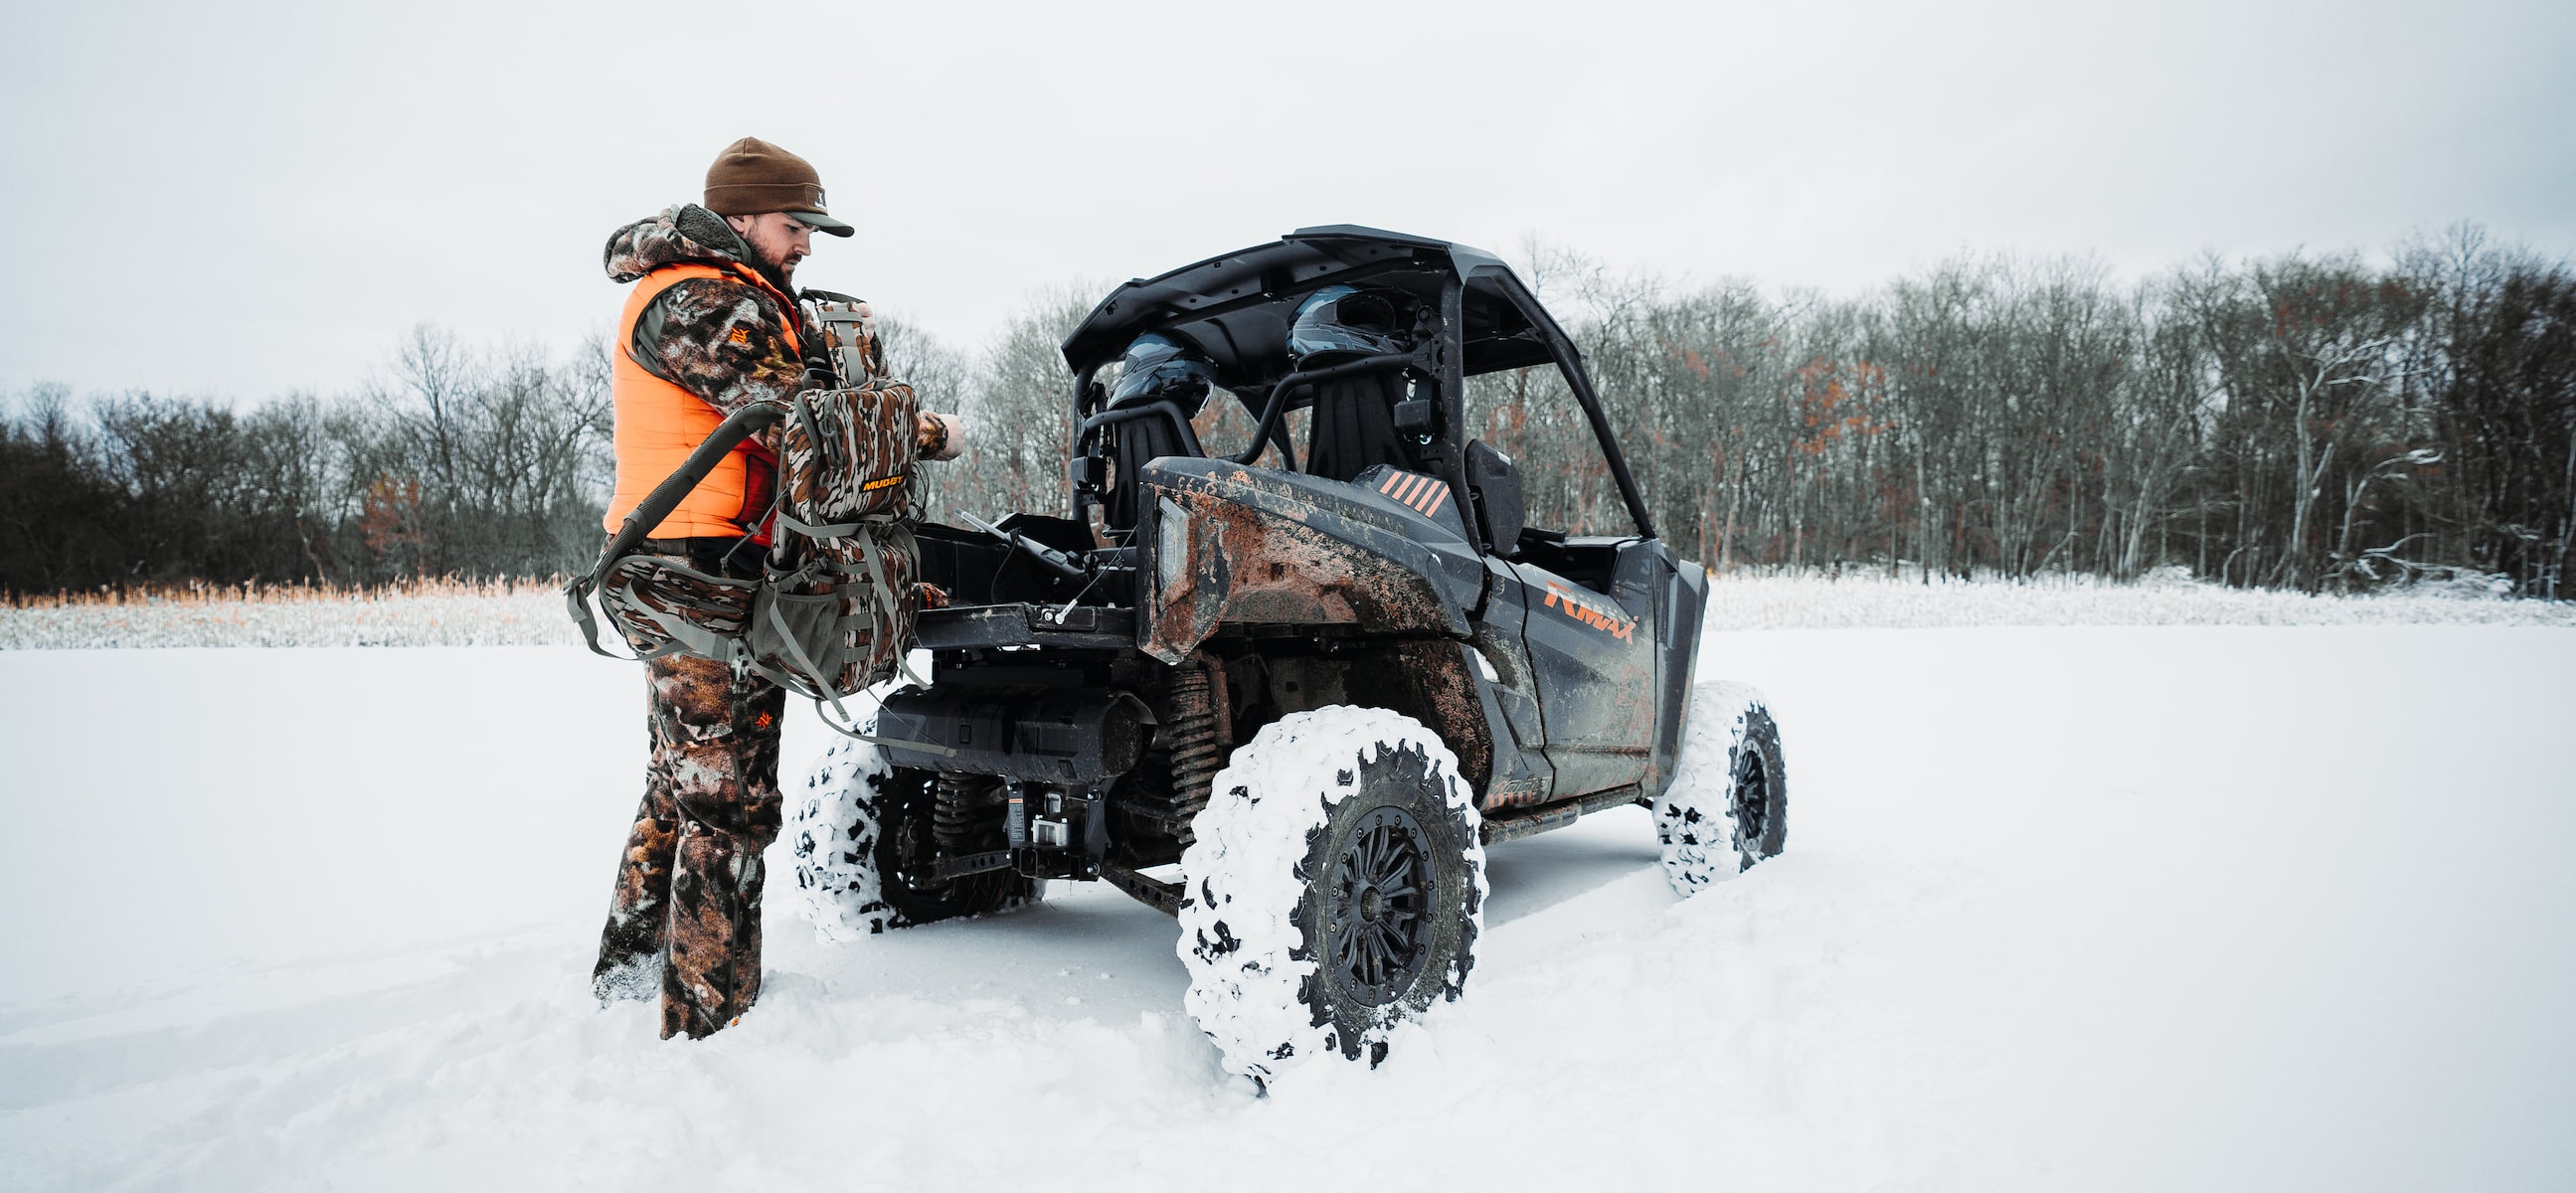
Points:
(1341, 322)
(1156, 368)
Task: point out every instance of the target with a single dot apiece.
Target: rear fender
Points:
(1437, 681)
(1225, 544)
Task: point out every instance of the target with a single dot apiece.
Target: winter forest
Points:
(2315, 421)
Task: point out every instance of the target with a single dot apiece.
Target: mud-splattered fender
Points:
(1228, 544)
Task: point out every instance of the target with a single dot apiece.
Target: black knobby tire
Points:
(860, 832)
(1760, 799)
(1336, 888)
(1386, 911)
(1728, 806)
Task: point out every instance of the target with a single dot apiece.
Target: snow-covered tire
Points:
(1728, 806)
(1335, 889)
(852, 828)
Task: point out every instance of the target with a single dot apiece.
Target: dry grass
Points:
(531, 612)
(434, 612)
(198, 593)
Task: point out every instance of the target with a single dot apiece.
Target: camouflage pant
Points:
(688, 887)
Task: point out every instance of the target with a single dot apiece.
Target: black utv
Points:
(1291, 692)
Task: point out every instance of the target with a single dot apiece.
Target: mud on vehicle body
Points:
(1093, 676)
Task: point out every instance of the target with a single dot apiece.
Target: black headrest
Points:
(1497, 488)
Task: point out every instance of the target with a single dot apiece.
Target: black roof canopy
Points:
(1236, 308)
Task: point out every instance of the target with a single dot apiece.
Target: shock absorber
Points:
(1196, 730)
(952, 813)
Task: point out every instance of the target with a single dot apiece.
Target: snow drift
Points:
(2061, 908)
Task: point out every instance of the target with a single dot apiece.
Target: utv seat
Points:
(1139, 441)
(1353, 426)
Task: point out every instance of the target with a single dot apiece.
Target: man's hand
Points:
(939, 436)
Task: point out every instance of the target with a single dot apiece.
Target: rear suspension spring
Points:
(952, 813)
(1195, 731)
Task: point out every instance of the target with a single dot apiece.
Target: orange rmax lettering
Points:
(1620, 628)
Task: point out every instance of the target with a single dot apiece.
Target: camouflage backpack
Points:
(832, 612)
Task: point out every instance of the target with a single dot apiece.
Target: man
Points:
(711, 325)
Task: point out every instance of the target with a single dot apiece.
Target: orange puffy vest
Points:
(658, 424)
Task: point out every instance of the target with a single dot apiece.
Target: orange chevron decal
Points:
(1425, 495)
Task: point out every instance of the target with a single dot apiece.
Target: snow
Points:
(2062, 908)
(1868, 600)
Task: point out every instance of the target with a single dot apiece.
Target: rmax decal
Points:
(1614, 624)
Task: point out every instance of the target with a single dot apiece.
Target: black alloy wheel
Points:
(1759, 799)
(1752, 806)
(1390, 901)
(1375, 925)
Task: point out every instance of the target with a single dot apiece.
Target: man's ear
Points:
(741, 224)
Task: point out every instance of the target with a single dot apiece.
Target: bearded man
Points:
(712, 324)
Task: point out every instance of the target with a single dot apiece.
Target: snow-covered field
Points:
(2063, 908)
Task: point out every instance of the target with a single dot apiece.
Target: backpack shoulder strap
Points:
(740, 425)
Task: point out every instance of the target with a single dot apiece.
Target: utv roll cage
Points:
(1236, 310)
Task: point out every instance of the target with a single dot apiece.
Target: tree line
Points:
(464, 462)
(2304, 421)
(2308, 422)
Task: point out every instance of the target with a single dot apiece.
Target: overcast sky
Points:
(237, 200)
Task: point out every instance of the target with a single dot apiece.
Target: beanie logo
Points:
(818, 196)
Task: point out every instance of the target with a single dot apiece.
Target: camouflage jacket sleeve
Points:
(719, 339)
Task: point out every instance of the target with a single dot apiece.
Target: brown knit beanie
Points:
(754, 177)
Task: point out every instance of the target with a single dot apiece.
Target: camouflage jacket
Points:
(719, 338)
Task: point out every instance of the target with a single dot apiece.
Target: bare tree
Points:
(2299, 420)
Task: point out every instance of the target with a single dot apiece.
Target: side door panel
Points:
(1522, 774)
(1595, 661)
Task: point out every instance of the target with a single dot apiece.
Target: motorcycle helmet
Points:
(1155, 368)
(1345, 322)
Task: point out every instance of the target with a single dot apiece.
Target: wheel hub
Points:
(913, 834)
(1752, 802)
(913, 855)
(1376, 927)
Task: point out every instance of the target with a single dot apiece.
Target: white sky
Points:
(238, 199)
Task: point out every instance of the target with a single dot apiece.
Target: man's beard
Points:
(780, 273)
